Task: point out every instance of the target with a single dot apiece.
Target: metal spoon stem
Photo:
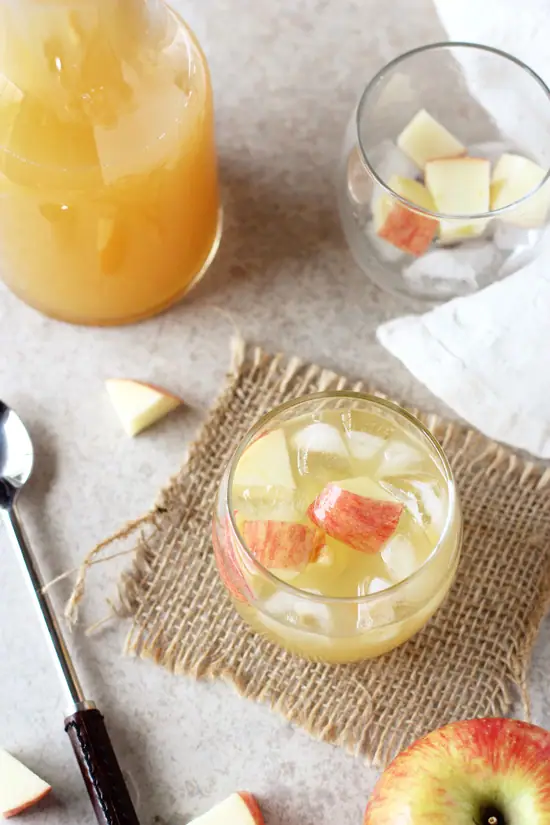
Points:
(49, 622)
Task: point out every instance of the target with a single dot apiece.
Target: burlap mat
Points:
(465, 663)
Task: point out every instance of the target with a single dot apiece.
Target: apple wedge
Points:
(238, 809)
(19, 787)
(282, 545)
(358, 513)
(400, 225)
(266, 463)
(460, 186)
(424, 139)
(513, 178)
(138, 405)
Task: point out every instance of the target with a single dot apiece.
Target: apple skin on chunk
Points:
(485, 771)
(282, 545)
(363, 523)
(238, 809)
(410, 231)
(19, 787)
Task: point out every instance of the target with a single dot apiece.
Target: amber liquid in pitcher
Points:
(109, 206)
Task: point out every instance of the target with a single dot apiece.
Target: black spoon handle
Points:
(99, 766)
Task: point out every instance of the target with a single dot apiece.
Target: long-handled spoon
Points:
(84, 724)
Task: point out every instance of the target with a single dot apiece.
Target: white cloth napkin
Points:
(488, 355)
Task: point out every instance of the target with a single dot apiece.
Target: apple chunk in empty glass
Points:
(427, 171)
(337, 527)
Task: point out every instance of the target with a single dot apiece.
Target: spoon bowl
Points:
(16, 455)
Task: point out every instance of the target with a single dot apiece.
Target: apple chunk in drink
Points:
(343, 513)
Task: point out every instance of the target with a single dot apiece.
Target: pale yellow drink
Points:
(346, 528)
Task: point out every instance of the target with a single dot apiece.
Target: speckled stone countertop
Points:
(286, 75)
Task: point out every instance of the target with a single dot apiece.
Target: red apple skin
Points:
(282, 545)
(446, 777)
(21, 808)
(253, 807)
(410, 231)
(228, 560)
(363, 523)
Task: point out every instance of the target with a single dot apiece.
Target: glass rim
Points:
(440, 46)
(376, 401)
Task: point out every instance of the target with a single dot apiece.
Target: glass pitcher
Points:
(109, 203)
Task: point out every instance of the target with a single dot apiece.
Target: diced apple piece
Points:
(360, 522)
(238, 809)
(460, 186)
(400, 558)
(401, 226)
(513, 178)
(266, 463)
(281, 545)
(320, 438)
(425, 139)
(139, 405)
(363, 446)
(19, 787)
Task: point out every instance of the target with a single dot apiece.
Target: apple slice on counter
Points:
(460, 186)
(139, 405)
(19, 787)
(513, 178)
(401, 226)
(266, 463)
(358, 513)
(424, 139)
(238, 809)
(282, 545)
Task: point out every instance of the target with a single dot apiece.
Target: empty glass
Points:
(442, 184)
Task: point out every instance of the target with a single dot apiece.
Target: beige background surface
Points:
(286, 75)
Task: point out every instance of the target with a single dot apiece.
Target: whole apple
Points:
(477, 772)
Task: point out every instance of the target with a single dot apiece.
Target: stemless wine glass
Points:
(339, 580)
(476, 220)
